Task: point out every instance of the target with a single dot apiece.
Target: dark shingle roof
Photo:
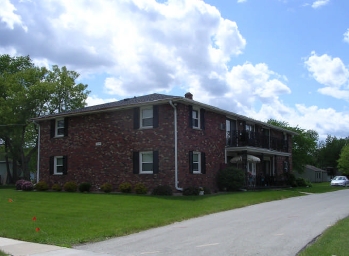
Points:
(116, 104)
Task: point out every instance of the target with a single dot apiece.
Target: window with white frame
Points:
(196, 164)
(251, 168)
(146, 162)
(196, 118)
(59, 132)
(146, 117)
(58, 165)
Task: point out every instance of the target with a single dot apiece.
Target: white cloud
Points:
(319, 3)
(94, 100)
(8, 16)
(242, 1)
(346, 36)
(327, 70)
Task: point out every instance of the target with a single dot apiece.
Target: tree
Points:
(329, 151)
(27, 91)
(343, 161)
(303, 145)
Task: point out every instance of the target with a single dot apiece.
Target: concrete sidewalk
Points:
(21, 248)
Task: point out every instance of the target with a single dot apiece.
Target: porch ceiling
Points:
(252, 150)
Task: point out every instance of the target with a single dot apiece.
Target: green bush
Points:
(70, 186)
(291, 179)
(85, 187)
(162, 190)
(56, 187)
(107, 187)
(191, 191)
(125, 187)
(41, 186)
(301, 182)
(207, 191)
(140, 188)
(230, 179)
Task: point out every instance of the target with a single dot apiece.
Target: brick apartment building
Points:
(156, 140)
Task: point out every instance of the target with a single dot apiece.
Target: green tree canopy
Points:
(28, 91)
(343, 161)
(304, 145)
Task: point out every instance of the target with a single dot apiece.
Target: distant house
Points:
(3, 170)
(314, 174)
(156, 140)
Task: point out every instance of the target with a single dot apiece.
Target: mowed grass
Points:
(334, 241)
(66, 219)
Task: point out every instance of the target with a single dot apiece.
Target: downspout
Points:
(176, 145)
(38, 157)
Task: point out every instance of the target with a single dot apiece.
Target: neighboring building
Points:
(159, 140)
(314, 174)
(3, 170)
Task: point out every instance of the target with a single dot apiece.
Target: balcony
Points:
(255, 139)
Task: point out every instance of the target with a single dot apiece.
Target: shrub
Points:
(207, 191)
(291, 179)
(162, 190)
(56, 187)
(70, 186)
(107, 187)
(230, 179)
(140, 188)
(27, 186)
(41, 186)
(85, 187)
(125, 187)
(19, 184)
(301, 182)
(191, 191)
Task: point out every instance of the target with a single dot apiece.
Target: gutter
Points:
(176, 145)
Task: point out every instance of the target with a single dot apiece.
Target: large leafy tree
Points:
(329, 151)
(28, 91)
(304, 145)
(343, 161)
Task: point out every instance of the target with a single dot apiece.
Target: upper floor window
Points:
(146, 117)
(196, 118)
(59, 127)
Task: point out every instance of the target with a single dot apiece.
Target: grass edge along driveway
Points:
(65, 219)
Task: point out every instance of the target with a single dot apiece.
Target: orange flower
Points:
(10, 200)
(34, 218)
(37, 229)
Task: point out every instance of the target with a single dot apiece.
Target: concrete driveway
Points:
(280, 228)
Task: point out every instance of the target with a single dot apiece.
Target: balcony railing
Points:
(256, 139)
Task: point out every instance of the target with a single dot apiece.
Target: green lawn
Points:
(334, 241)
(66, 219)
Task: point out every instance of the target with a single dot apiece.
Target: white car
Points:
(340, 181)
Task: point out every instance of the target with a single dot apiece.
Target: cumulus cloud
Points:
(328, 71)
(346, 36)
(319, 3)
(95, 100)
(8, 15)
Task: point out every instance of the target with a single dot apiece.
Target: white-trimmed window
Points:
(251, 168)
(59, 131)
(146, 162)
(197, 162)
(196, 118)
(146, 117)
(58, 165)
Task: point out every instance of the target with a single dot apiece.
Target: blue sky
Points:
(281, 59)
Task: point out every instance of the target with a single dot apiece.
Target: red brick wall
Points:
(112, 160)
